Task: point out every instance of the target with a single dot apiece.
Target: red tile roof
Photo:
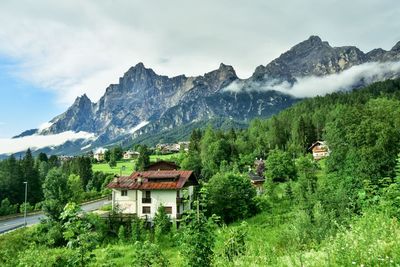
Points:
(154, 180)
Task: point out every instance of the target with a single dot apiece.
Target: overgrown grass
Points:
(372, 239)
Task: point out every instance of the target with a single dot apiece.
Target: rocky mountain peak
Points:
(139, 69)
(314, 39)
(220, 77)
(314, 42)
(396, 48)
(82, 101)
(141, 95)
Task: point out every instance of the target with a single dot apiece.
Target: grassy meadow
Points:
(129, 164)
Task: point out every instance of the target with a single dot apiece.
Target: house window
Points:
(168, 210)
(147, 197)
(146, 210)
(124, 193)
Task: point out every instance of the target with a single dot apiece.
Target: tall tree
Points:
(230, 196)
(57, 193)
(143, 159)
(31, 175)
(280, 166)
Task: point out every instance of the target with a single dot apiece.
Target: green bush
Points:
(230, 196)
(6, 208)
(198, 240)
(29, 207)
(235, 243)
(49, 233)
(162, 224)
(14, 242)
(121, 234)
(148, 254)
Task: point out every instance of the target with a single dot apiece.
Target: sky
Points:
(53, 51)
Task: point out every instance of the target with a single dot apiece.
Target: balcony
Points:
(146, 200)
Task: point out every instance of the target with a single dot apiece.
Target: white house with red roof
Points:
(319, 150)
(143, 192)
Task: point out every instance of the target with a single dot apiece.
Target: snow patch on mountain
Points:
(138, 127)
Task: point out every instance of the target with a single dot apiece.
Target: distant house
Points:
(184, 145)
(65, 158)
(168, 148)
(99, 154)
(319, 150)
(162, 165)
(257, 177)
(142, 193)
(131, 154)
(257, 181)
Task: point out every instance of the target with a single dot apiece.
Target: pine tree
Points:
(144, 158)
(31, 175)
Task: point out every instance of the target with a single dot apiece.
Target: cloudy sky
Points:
(53, 51)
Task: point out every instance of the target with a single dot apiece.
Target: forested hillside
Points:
(340, 211)
(40, 172)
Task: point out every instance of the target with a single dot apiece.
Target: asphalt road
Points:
(11, 224)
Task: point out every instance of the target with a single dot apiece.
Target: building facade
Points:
(142, 193)
(319, 150)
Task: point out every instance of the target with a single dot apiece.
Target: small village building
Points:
(257, 178)
(319, 150)
(184, 145)
(142, 193)
(168, 148)
(257, 181)
(99, 154)
(131, 154)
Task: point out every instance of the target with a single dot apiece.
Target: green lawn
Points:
(129, 164)
(104, 167)
(169, 157)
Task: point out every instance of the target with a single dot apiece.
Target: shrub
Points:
(148, 254)
(29, 207)
(138, 230)
(162, 223)
(121, 234)
(49, 233)
(198, 240)
(230, 196)
(6, 208)
(235, 244)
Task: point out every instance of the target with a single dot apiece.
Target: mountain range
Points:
(144, 104)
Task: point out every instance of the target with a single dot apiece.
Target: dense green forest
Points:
(14, 172)
(339, 211)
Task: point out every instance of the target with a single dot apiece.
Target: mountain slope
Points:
(144, 102)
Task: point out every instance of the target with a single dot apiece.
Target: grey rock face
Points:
(142, 95)
(313, 57)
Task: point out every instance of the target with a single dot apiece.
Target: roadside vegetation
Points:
(340, 211)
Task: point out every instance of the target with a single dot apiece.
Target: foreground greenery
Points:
(341, 211)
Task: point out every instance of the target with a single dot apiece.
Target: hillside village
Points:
(240, 193)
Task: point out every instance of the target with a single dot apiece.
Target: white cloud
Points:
(312, 85)
(75, 47)
(9, 146)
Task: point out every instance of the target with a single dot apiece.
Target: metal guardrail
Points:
(12, 228)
